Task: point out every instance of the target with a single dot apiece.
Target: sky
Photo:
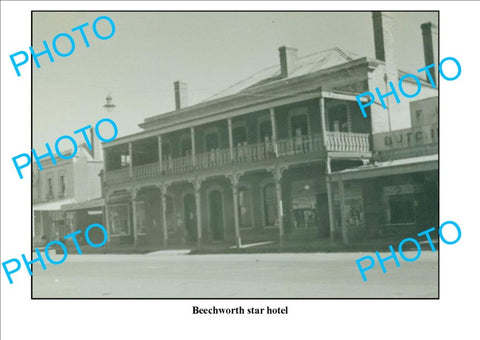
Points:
(208, 50)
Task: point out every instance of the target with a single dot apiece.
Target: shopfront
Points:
(391, 198)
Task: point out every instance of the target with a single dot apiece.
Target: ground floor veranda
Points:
(54, 220)
(277, 205)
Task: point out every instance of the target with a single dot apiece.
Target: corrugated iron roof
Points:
(53, 206)
(93, 203)
(305, 65)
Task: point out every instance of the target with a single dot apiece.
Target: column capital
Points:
(163, 187)
(197, 182)
(277, 171)
(234, 177)
(133, 192)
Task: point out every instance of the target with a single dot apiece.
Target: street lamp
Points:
(109, 106)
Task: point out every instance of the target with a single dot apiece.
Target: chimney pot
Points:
(288, 60)
(181, 99)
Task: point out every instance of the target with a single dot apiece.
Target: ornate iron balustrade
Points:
(241, 154)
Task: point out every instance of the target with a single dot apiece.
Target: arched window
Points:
(270, 204)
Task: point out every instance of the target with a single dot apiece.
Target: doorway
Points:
(190, 217)
(216, 214)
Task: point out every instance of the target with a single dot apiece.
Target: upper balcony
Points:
(294, 133)
(218, 158)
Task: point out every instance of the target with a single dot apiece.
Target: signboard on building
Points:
(406, 138)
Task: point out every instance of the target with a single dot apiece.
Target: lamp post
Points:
(109, 106)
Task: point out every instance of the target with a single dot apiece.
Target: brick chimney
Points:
(430, 47)
(395, 117)
(288, 60)
(181, 99)
(384, 47)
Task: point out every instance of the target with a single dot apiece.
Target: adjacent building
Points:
(67, 196)
(397, 192)
(281, 155)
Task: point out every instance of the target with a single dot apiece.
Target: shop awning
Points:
(390, 168)
(94, 203)
(53, 206)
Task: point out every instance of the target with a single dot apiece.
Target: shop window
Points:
(353, 203)
(119, 218)
(401, 209)
(304, 204)
(141, 217)
(354, 215)
(244, 209)
(400, 203)
(270, 204)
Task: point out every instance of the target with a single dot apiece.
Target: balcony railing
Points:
(347, 142)
(336, 141)
(118, 176)
(300, 145)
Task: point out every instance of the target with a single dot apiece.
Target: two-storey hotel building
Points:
(272, 157)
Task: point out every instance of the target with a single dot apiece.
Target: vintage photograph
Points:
(256, 154)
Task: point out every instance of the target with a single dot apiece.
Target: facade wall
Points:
(303, 204)
(284, 169)
(81, 182)
(54, 172)
(85, 177)
(420, 138)
(399, 113)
